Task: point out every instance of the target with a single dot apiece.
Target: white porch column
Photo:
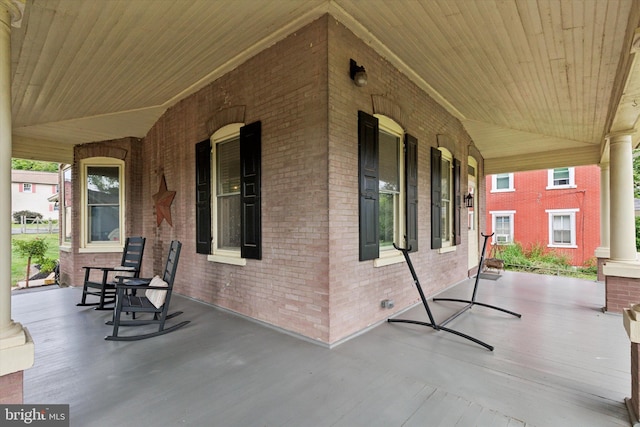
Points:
(622, 215)
(605, 203)
(603, 251)
(16, 346)
(622, 270)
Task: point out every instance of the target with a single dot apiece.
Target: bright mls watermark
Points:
(34, 415)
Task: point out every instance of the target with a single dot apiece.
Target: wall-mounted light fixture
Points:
(358, 74)
(468, 200)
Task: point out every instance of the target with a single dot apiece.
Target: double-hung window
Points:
(228, 220)
(502, 225)
(388, 189)
(391, 188)
(66, 201)
(562, 228)
(445, 200)
(102, 210)
(561, 178)
(226, 203)
(502, 182)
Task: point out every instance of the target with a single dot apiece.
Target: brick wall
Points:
(129, 150)
(11, 386)
(356, 288)
(621, 293)
(284, 87)
(309, 280)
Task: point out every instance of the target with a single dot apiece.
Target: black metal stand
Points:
(470, 303)
(432, 323)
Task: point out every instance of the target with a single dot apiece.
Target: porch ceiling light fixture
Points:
(358, 74)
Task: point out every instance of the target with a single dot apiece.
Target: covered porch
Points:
(565, 362)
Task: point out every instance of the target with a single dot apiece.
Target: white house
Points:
(33, 191)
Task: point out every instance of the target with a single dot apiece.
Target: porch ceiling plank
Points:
(24, 148)
(549, 68)
(546, 158)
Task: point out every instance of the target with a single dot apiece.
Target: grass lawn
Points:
(19, 262)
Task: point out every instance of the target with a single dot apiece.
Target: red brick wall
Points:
(531, 199)
(11, 386)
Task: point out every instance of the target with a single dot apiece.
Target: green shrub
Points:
(32, 249)
(537, 258)
(17, 216)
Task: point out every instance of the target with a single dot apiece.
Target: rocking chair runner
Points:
(155, 301)
(105, 288)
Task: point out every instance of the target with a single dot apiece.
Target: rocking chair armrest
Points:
(131, 282)
(137, 287)
(119, 268)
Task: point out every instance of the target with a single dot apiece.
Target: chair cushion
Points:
(156, 296)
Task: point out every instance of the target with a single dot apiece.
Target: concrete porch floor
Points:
(564, 363)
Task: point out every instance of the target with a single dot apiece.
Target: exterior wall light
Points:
(358, 74)
(468, 200)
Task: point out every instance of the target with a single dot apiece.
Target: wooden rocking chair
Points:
(155, 301)
(105, 288)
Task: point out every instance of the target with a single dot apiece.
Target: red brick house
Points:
(557, 209)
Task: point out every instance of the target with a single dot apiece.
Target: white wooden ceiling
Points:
(536, 83)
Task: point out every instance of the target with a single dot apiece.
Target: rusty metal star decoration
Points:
(162, 201)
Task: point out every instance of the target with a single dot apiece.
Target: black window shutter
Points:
(457, 209)
(368, 173)
(250, 171)
(411, 183)
(436, 198)
(203, 197)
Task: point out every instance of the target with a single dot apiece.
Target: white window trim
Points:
(511, 214)
(390, 255)
(24, 188)
(572, 180)
(572, 218)
(64, 245)
(501, 190)
(108, 246)
(223, 256)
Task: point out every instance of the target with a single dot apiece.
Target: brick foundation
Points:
(621, 293)
(11, 388)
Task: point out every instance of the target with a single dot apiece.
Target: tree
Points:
(35, 248)
(33, 165)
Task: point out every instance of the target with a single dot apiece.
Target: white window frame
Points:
(389, 255)
(550, 179)
(65, 216)
(494, 184)
(572, 219)
(225, 256)
(26, 185)
(511, 214)
(102, 246)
